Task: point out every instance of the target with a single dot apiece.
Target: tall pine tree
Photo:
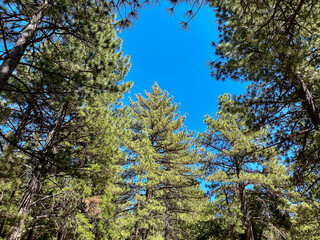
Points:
(161, 173)
(61, 125)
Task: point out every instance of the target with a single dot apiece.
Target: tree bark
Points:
(30, 233)
(25, 206)
(15, 139)
(233, 233)
(246, 214)
(136, 231)
(307, 99)
(9, 148)
(14, 56)
(35, 180)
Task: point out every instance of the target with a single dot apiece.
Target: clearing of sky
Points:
(177, 60)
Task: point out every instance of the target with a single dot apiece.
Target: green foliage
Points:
(210, 230)
(274, 44)
(246, 179)
(64, 128)
(84, 228)
(76, 165)
(163, 195)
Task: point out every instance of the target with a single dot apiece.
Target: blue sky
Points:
(177, 59)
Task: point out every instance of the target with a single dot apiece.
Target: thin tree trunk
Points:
(308, 102)
(246, 214)
(249, 232)
(30, 233)
(25, 206)
(233, 233)
(16, 53)
(167, 230)
(15, 139)
(35, 181)
(136, 231)
(8, 150)
(137, 228)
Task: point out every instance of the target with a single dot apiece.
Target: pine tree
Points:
(273, 44)
(163, 195)
(57, 125)
(247, 183)
(81, 204)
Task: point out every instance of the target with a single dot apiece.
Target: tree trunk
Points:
(14, 56)
(15, 138)
(9, 148)
(307, 99)
(246, 214)
(167, 229)
(25, 206)
(137, 227)
(233, 233)
(30, 233)
(249, 232)
(35, 181)
(136, 231)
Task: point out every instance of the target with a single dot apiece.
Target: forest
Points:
(76, 162)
